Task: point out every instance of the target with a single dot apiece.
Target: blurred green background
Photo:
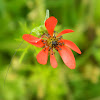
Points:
(28, 80)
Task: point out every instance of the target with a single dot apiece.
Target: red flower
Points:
(51, 42)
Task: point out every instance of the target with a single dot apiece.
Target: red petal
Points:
(67, 57)
(50, 24)
(53, 61)
(33, 40)
(71, 45)
(64, 32)
(42, 56)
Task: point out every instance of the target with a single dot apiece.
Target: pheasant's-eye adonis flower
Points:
(49, 41)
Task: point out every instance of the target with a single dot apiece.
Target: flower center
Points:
(53, 42)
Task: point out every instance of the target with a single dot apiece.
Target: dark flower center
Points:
(54, 43)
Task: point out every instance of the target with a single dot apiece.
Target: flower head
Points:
(49, 41)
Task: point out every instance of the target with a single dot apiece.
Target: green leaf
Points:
(23, 54)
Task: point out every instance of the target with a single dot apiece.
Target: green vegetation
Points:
(27, 79)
